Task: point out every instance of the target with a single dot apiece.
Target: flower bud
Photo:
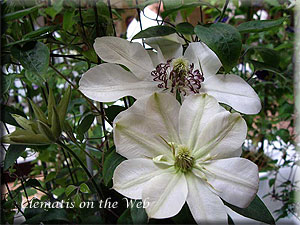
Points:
(63, 106)
(46, 131)
(51, 104)
(55, 124)
(38, 112)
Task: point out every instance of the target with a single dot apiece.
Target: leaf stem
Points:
(99, 192)
(223, 11)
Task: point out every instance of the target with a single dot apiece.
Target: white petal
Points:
(121, 51)
(235, 180)
(156, 57)
(142, 129)
(169, 49)
(198, 52)
(109, 82)
(165, 194)
(222, 136)
(205, 206)
(131, 176)
(196, 110)
(234, 91)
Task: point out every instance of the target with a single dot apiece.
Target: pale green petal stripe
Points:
(140, 139)
(234, 118)
(142, 179)
(166, 118)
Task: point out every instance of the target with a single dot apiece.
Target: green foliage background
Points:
(47, 46)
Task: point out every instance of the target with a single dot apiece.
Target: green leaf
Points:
(125, 218)
(34, 56)
(7, 81)
(50, 215)
(184, 216)
(84, 188)
(46, 131)
(25, 123)
(51, 176)
(256, 210)
(224, 40)
(92, 219)
(58, 191)
(51, 104)
(34, 78)
(62, 107)
(173, 6)
(155, 31)
(77, 200)
(185, 28)
(271, 182)
(6, 116)
(20, 14)
(68, 20)
(39, 32)
(13, 152)
(110, 164)
(269, 56)
(55, 124)
(262, 66)
(112, 111)
(70, 189)
(230, 221)
(138, 213)
(33, 183)
(85, 124)
(259, 25)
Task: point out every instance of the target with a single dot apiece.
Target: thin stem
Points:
(201, 15)
(111, 17)
(223, 11)
(158, 11)
(74, 87)
(99, 192)
(96, 21)
(12, 197)
(125, 102)
(81, 24)
(66, 159)
(139, 17)
(76, 179)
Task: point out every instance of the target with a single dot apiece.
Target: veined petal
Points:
(132, 176)
(141, 130)
(205, 206)
(203, 58)
(156, 58)
(234, 91)
(164, 109)
(121, 51)
(109, 82)
(194, 114)
(235, 180)
(165, 195)
(222, 136)
(168, 48)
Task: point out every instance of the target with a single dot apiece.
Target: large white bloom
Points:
(168, 69)
(179, 154)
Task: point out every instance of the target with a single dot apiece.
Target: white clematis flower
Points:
(168, 69)
(179, 154)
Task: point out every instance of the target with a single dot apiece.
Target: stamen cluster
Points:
(183, 160)
(178, 77)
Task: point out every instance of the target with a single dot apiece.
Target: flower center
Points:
(183, 160)
(178, 75)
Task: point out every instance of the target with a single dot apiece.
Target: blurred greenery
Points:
(47, 46)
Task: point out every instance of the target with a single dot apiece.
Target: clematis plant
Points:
(166, 70)
(179, 154)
